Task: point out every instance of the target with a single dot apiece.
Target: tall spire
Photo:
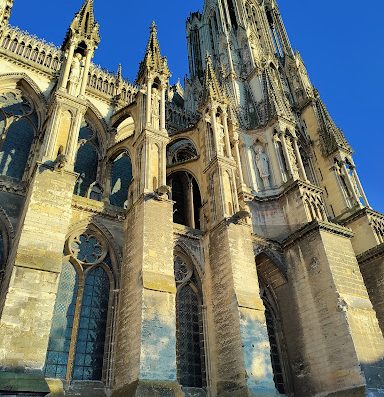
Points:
(84, 26)
(5, 11)
(153, 61)
(331, 136)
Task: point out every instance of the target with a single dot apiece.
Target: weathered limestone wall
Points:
(372, 269)
(241, 353)
(146, 347)
(338, 330)
(38, 251)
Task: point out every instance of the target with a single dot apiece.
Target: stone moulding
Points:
(316, 226)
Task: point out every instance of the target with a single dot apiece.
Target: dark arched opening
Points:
(186, 195)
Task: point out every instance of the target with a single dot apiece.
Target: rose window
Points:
(87, 249)
(182, 270)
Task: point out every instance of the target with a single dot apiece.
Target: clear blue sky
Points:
(341, 43)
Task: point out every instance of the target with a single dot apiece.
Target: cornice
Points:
(373, 253)
(98, 208)
(316, 226)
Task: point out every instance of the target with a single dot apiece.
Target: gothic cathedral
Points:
(210, 239)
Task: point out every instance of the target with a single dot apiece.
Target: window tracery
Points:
(181, 151)
(189, 326)
(87, 160)
(18, 126)
(78, 335)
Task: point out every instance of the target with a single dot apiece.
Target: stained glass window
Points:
(92, 327)
(189, 338)
(121, 178)
(62, 324)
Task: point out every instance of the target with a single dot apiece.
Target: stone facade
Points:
(206, 240)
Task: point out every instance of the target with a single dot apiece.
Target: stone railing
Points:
(178, 119)
(377, 223)
(312, 197)
(30, 48)
(107, 83)
(21, 45)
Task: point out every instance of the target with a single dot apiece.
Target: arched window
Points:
(121, 179)
(189, 326)
(277, 348)
(187, 198)
(87, 160)
(77, 342)
(18, 125)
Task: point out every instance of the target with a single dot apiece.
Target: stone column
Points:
(226, 135)
(338, 183)
(191, 209)
(286, 154)
(238, 162)
(215, 131)
(68, 66)
(162, 105)
(274, 161)
(360, 186)
(351, 184)
(299, 160)
(149, 103)
(86, 71)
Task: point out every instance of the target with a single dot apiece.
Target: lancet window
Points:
(189, 325)
(18, 128)
(87, 161)
(78, 339)
(277, 349)
(121, 179)
(187, 198)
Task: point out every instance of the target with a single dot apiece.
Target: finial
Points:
(153, 27)
(119, 71)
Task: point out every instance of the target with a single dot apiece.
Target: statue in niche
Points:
(262, 162)
(292, 158)
(75, 74)
(220, 141)
(155, 104)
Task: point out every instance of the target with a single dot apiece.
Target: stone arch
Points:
(272, 276)
(30, 88)
(181, 150)
(187, 197)
(97, 120)
(7, 235)
(190, 327)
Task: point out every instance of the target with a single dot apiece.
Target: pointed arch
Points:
(190, 327)
(81, 348)
(22, 81)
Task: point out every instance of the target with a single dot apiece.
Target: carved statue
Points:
(155, 108)
(75, 74)
(61, 159)
(262, 162)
